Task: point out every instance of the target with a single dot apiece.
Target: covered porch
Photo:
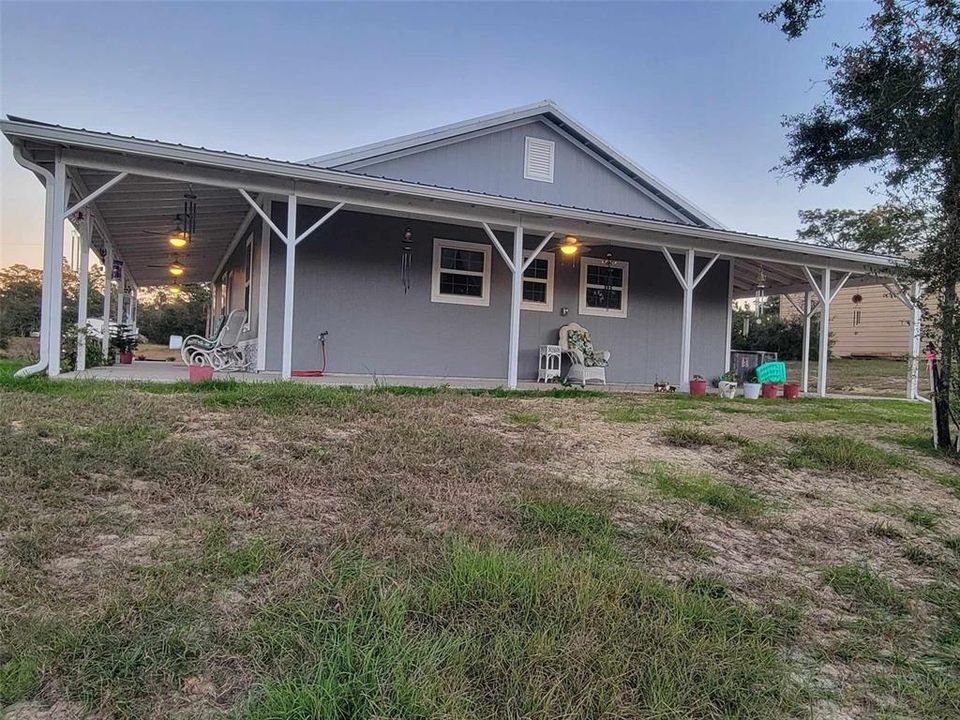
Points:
(266, 217)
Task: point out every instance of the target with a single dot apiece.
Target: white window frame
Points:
(544, 306)
(586, 262)
(248, 281)
(439, 297)
(526, 155)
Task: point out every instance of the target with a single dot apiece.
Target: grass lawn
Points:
(270, 551)
(878, 377)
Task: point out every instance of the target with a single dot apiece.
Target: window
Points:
(461, 272)
(603, 287)
(538, 284)
(247, 278)
(538, 159)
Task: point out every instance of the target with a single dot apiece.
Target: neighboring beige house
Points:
(864, 321)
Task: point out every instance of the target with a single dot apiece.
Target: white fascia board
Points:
(680, 235)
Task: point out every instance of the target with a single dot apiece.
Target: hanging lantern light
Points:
(760, 294)
(406, 256)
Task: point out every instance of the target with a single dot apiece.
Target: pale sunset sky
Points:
(692, 91)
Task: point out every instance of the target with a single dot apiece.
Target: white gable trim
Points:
(357, 157)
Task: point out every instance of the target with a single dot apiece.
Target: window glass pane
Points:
(454, 284)
(598, 298)
(457, 259)
(535, 292)
(537, 269)
(603, 275)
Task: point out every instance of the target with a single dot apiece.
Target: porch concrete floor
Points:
(141, 371)
(169, 372)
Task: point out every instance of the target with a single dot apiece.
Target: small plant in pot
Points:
(751, 388)
(698, 386)
(728, 384)
(123, 342)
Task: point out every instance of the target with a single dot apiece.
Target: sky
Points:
(694, 92)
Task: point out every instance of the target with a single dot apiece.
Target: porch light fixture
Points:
(176, 269)
(179, 239)
(174, 289)
(570, 245)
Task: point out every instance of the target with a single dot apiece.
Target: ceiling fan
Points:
(571, 245)
(185, 223)
(175, 268)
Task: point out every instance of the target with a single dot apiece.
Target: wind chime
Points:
(760, 293)
(406, 255)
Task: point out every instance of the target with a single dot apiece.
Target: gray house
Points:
(453, 253)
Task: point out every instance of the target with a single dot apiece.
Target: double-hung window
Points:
(603, 287)
(461, 272)
(538, 283)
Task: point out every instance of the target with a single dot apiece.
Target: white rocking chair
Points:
(586, 364)
(221, 352)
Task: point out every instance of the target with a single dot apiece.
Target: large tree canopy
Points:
(890, 229)
(893, 104)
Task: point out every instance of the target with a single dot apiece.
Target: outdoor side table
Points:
(549, 366)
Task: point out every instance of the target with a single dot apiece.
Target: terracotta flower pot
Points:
(199, 373)
(698, 387)
(791, 391)
(769, 391)
(126, 358)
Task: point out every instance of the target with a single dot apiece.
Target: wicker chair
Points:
(586, 364)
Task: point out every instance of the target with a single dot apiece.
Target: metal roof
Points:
(140, 204)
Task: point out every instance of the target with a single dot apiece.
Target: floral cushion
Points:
(579, 340)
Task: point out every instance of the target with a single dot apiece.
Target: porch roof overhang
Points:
(133, 214)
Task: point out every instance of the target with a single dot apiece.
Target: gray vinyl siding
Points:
(348, 283)
(492, 162)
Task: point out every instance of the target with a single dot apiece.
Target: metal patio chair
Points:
(222, 352)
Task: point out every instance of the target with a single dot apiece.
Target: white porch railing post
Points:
(823, 356)
(729, 347)
(121, 289)
(56, 268)
(516, 295)
(688, 287)
(107, 292)
(84, 292)
(913, 381)
(291, 242)
(805, 372)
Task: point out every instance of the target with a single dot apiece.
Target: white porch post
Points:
(84, 292)
(516, 296)
(121, 289)
(264, 292)
(107, 292)
(291, 241)
(807, 313)
(726, 358)
(687, 320)
(913, 386)
(824, 352)
(55, 307)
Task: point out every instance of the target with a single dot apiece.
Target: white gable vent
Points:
(538, 159)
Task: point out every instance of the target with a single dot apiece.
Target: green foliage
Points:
(564, 518)
(840, 453)
(499, 633)
(860, 583)
(183, 314)
(705, 489)
(772, 333)
(890, 229)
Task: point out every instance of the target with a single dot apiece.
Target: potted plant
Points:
(728, 384)
(124, 342)
(698, 386)
(751, 388)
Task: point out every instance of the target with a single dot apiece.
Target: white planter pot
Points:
(751, 391)
(728, 388)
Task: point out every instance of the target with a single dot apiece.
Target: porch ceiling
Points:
(139, 214)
